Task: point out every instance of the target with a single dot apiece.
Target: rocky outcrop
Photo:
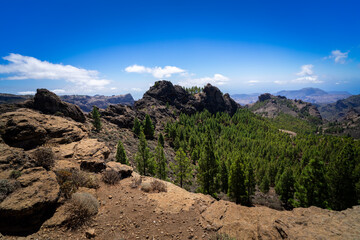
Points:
(122, 116)
(271, 106)
(164, 92)
(48, 102)
(28, 129)
(27, 207)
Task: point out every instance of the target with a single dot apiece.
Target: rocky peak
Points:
(165, 91)
(264, 97)
(48, 102)
(211, 99)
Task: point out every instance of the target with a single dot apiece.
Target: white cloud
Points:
(113, 88)
(27, 93)
(306, 75)
(157, 72)
(58, 91)
(280, 82)
(217, 79)
(136, 89)
(24, 67)
(338, 56)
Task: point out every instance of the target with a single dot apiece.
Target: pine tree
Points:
(182, 168)
(161, 168)
(148, 127)
(237, 188)
(341, 179)
(143, 158)
(161, 140)
(250, 182)
(285, 186)
(137, 127)
(224, 177)
(121, 154)
(208, 169)
(265, 184)
(312, 189)
(96, 118)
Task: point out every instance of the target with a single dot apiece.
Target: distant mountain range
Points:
(312, 95)
(83, 101)
(339, 109)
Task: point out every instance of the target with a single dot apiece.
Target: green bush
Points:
(15, 174)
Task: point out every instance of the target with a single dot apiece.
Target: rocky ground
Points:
(33, 204)
(130, 213)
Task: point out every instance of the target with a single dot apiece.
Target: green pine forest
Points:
(223, 154)
(233, 154)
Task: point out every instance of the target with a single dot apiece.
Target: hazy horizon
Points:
(116, 47)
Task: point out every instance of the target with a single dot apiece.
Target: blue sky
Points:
(115, 47)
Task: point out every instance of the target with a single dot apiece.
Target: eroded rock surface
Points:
(27, 207)
(28, 129)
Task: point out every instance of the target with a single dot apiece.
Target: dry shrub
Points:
(111, 177)
(71, 179)
(81, 207)
(7, 187)
(136, 181)
(44, 157)
(158, 186)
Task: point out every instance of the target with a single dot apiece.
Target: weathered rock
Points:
(211, 99)
(48, 102)
(30, 205)
(123, 116)
(28, 129)
(95, 166)
(146, 186)
(123, 170)
(90, 233)
(91, 148)
(13, 159)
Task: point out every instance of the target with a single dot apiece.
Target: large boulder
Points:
(31, 203)
(48, 102)
(123, 170)
(91, 149)
(28, 129)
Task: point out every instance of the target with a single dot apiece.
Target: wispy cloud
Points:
(168, 71)
(24, 67)
(217, 79)
(59, 91)
(136, 89)
(157, 72)
(338, 56)
(307, 75)
(27, 93)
